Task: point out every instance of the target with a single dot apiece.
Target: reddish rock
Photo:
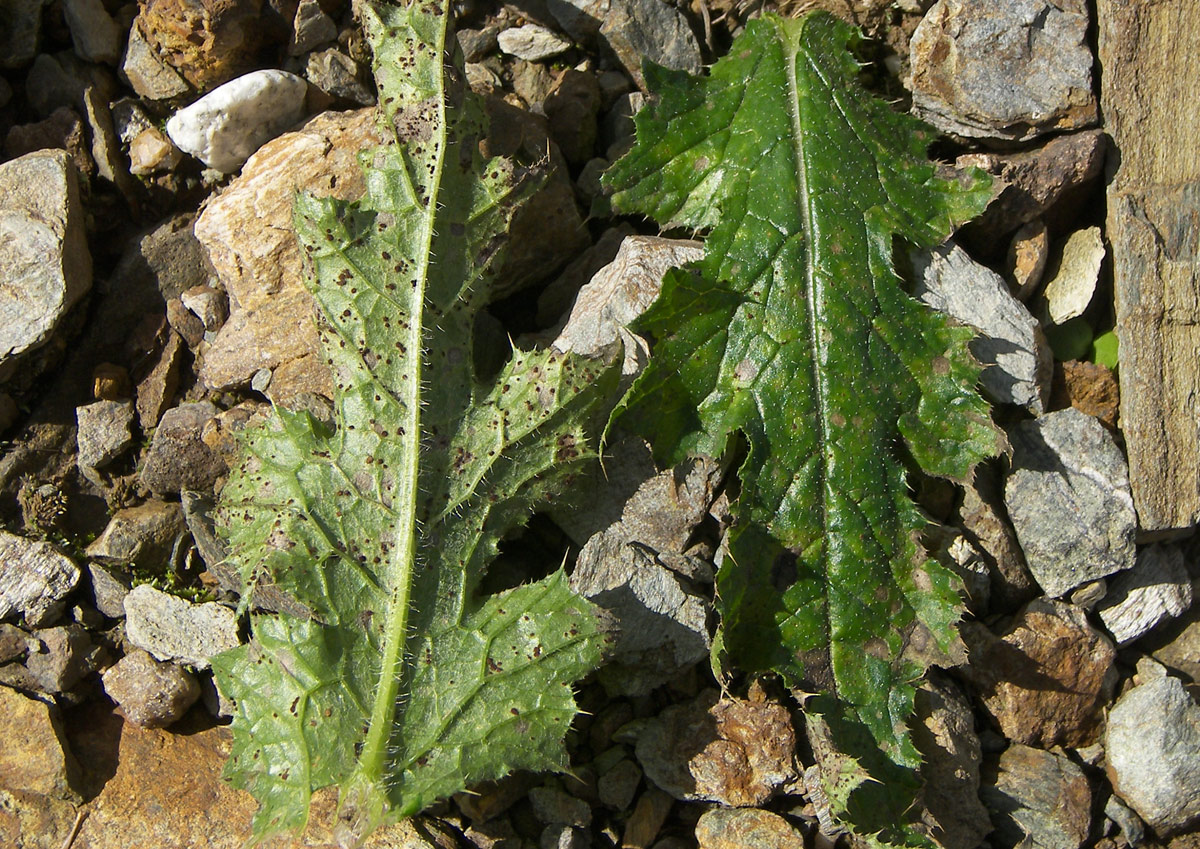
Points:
(1047, 678)
(1088, 387)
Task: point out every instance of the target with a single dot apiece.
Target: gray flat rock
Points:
(144, 535)
(96, 35)
(1156, 589)
(1069, 501)
(1016, 358)
(45, 266)
(178, 457)
(34, 579)
(172, 628)
(1038, 799)
(1009, 70)
(103, 431)
(532, 42)
(1153, 749)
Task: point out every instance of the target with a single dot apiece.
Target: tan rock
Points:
(1047, 678)
(1153, 203)
(35, 757)
(1073, 277)
(247, 231)
(746, 828)
(1027, 257)
(34, 821)
(143, 534)
(157, 388)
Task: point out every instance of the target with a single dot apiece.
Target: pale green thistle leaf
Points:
(407, 684)
(795, 331)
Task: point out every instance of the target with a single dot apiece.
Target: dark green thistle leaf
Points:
(795, 331)
(406, 685)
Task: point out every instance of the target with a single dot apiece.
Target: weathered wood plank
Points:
(1151, 106)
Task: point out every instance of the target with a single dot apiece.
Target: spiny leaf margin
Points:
(404, 687)
(795, 331)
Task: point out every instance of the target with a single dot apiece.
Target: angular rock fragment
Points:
(1090, 388)
(45, 266)
(227, 125)
(619, 293)
(178, 457)
(532, 43)
(209, 41)
(108, 591)
(20, 32)
(171, 628)
(1009, 71)
(95, 34)
(1152, 745)
(982, 517)
(1068, 497)
(35, 756)
(146, 73)
(1038, 799)
(1047, 678)
(1017, 361)
(733, 751)
(150, 694)
(59, 658)
(34, 579)
(1157, 588)
(1073, 277)
(144, 535)
(103, 432)
(1027, 257)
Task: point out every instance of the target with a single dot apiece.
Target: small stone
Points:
(157, 389)
(103, 432)
(1017, 361)
(311, 28)
(171, 628)
(178, 458)
(95, 34)
(1157, 588)
(532, 43)
(1049, 179)
(227, 125)
(619, 293)
(59, 658)
(146, 73)
(339, 76)
(248, 235)
(1132, 828)
(45, 266)
(564, 837)
(1009, 71)
(210, 305)
(35, 579)
(477, 43)
(55, 82)
(35, 756)
(144, 535)
(106, 147)
(151, 152)
(14, 643)
(1027, 257)
(1153, 748)
(108, 591)
(129, 118)
(555, 807)
(1039, 797)
(746, 828)
(1090, 388)
(150, 694)
(20, 32)
(619, 784)
(184, 322)
(110, 382)
(1073, 278)
(733, 751)
(1068, 498)
(647, 819)
(1047, 678)
(945, 736)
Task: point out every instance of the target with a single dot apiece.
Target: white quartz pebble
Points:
(227, 125)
